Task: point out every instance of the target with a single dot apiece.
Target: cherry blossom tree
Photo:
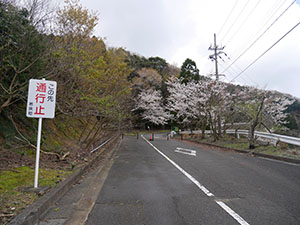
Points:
(182, 101)
(261, 108)
(218, 105)
(198, 102)
(210, 102)
(150, 103)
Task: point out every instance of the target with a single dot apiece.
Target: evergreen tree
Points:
(159, 64)
(22, 53)
(189, 71)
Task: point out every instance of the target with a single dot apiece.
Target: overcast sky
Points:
(180, 29)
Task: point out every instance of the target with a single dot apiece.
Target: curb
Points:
(280, 158)
(32, 214)
(285, 159)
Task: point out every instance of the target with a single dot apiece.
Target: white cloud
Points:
(177, 29)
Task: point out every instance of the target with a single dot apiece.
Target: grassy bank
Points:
(282, 149)
(13, 182)
(66, 143)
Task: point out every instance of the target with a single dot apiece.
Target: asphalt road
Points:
(171, 182)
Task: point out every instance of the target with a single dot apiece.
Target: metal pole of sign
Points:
(37, 160)
(40, 104)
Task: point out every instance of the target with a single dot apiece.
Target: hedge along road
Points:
(152, 183)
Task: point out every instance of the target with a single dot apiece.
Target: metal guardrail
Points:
(270, 136)
(104, 143)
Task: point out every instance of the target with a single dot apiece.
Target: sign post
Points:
(37, 157)
(40, 104)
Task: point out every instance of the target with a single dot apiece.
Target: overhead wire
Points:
(244, 21)
(272, 15)
(269, 15)
(242, 78)
(231, 11)
(250, 46)
(266, 51)
(236, 19)
(246, 75)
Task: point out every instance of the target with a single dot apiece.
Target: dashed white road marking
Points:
(227, 209)
(186, 151)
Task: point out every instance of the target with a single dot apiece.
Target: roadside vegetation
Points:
(13, 184)
(102, 90)
(242, 143)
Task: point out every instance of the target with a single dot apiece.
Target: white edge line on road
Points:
(278, 161)
(232, 213)
(187, 153)
(202, 188)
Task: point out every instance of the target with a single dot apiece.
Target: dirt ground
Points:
(10, 159)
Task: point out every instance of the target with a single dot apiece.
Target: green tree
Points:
(159, 64)
(75, 22)
(22, 54)
(71, 54)
(262, 110)
(138, 62)
(189, 71)
(92, 78)
(293, 118)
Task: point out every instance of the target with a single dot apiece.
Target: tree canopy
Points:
(22, 53)
(189, 71)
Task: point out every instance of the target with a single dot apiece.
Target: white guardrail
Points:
(270, 136)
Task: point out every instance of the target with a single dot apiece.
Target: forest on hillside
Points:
(102, 89)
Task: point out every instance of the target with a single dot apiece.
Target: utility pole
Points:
(214, 57)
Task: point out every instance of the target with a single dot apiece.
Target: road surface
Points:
(172, 182)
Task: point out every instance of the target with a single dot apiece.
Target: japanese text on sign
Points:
(41, 99)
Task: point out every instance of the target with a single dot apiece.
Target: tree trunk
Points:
(213, 126)
(203, 128)
(84, 129)
(253, 125)
(219, 125)
(94, 137)
(90, 132)
(252, 136)
(224, 129)
(202, 134)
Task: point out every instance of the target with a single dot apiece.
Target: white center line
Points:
(232, 213)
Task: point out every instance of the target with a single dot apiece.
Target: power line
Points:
(250, 79)
(236, 19)
(235, 4)
(260, 36)
(231, 75)
(235, 71)
(266, 51)
(271, 16)
(268, 15)
(244, 21)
